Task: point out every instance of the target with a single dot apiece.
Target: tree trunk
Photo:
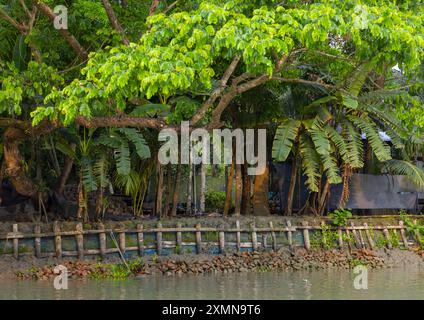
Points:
(245, 196)
(239, 188)
(15, 164)
(168, 190)
(189, 188)
(159, 189)
(66, 171)
(229, 189)
(292, 186)
(260, 194)
(175, 195)
(202, 187)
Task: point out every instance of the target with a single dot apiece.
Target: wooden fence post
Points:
(179, 238)
(340, 237)
(254, 238)
(264, 240)
(80, 240)
(222, 242)
(387, 236)
(57, 239)
(289, 234)
(122, 242)
(102, 241)
(37, 241)
(159, 239)
(274, 238)
(140, 240)
(403, 235)
(306, 235)
(198, 238)
(15, 241)
(238, 235)
(368, 235)
(355, 235)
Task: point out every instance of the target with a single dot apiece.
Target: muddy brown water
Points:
(395, 283)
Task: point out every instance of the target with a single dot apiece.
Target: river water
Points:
(398, 283)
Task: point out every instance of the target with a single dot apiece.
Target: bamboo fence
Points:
(263, 238)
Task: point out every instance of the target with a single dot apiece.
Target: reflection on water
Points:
(382, 284)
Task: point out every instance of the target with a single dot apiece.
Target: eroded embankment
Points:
(282, 260)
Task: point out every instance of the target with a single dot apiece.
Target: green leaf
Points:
(284, 138)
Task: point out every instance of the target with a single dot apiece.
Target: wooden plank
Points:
(254, 238)
(222, 242)
(403, 235)
(15, 242)
(140, 240)
(368, 235)
(159, 239)
(289, 234)
(102, 241)
(387, 236)
(57, 239)
(37, 241)
(306, 239)
(361, 238)
(198, 238)
(274, 238)
(238, 235)
(79, 237)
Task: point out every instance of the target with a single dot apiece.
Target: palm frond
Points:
(310, 163)
(284, 138)
(411, 171)
(138, 140)
(354, 145)
(122, 156)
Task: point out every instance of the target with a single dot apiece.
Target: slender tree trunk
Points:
(260, 194)
(292, 186)
(189, 188)
(168, 190)
(66, 171)
(323, 198)
(202, 187)
(245, 196)
(159, 189)
(239, 189)
(175, 195)
(229, 189)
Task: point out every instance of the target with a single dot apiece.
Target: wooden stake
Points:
(179, 238)
(387, 236)
(368, 235)
(37, 241)
(340, 237)
(80, 240)
(254, 238)
(198, 238)
(159, 239)
(355, 235)
(289, 234)
(122, 242)
(15, 242)
(102, 241)
(140, 240)
(273, 236)
(264, 240)
(222, 242)
(403, 234)
(238, 235)
(306, 235)
(57, 239)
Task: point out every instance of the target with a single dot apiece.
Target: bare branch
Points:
(301, 81)
(153, 7)
(3, 14)
(121, 121)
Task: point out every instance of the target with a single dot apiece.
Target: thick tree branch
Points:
(216, 93)
(153, 7)
(301, 81)
(114, 21)
(72, 41)
(3, 14)
(121, 121)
